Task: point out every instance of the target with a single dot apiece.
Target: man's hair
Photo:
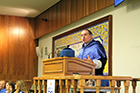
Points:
(90, 33)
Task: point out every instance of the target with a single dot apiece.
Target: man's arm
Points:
(97, 63)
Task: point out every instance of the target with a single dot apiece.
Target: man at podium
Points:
(92, 51)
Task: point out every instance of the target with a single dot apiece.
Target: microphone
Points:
(51, 53)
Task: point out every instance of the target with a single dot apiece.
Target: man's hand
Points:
(89, 60)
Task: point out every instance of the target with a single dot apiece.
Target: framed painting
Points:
(101, 30)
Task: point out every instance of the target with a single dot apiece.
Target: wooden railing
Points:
(134, 84)
(78, 81)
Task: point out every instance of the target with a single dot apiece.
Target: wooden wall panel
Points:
(86, 7)
(73, 10)
(80, 9)
(66, 12)
(13, 46)
(3, 46)
(40, 25)
(92, 6)
(50, 20)
(58, 15)
(43, 24)
(46, 24)
(101, 4)
(18, 59)
(23, 66)
(109, 2)
(6, 20)
(63, 13)
(33, 59)
(54, 21)
(37, 24)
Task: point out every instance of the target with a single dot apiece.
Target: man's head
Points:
(2, 84)
(86, 36)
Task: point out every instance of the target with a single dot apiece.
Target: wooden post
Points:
(56, 85)
(61, 83)
(74, 85)
(112, 84)
(81, 84)
(67, 85)
(118, 85)
(35, 86)
(97, 85)
(39, 86)
(44, 83)
(134, 84)
(126, 84)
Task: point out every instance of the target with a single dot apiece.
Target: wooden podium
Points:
(62, 66)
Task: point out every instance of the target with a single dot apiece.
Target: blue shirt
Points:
(96, 51)
(21, 92)
(3, 90)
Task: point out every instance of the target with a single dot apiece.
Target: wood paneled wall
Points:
(18, 59)
(66, 12)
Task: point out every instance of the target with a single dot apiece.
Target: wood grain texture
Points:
(58, 15)
(33, 59)
(23, 49)
(54, 18)
(109, 2)
(46, 24)
(66, 12)
(81, 81)
(62, 66)
(79, 8)
(101, 4)
(63, 13)
(86, 7)
(50, 19)
(17, 46)
(92, 6)
(4, 46)
(73, 10)
(13, 46)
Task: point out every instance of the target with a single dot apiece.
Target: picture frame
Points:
(102, 31)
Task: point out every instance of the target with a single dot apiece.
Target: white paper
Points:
(50, 86)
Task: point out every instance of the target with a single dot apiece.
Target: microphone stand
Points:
(50, 54)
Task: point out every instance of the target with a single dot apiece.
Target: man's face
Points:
(1, 85)
(16, 86)
(85, 36)
(7, 86)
